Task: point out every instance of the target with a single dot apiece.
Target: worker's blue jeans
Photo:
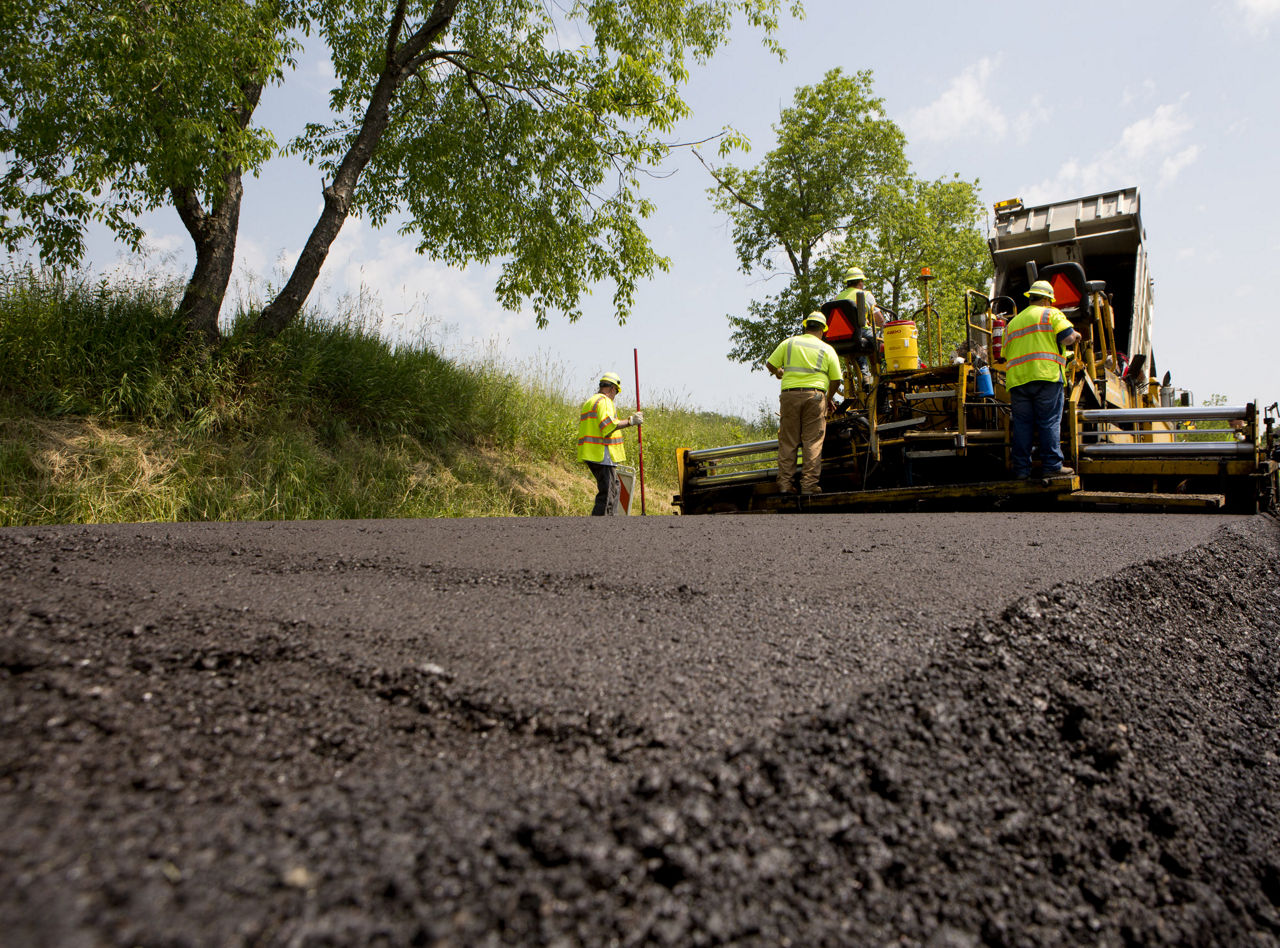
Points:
(867, 340)
(608, 489)
(1037, 410)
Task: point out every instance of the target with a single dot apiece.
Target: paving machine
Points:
(934, 432)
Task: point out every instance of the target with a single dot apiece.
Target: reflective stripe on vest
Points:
(1043, 326)
(802, 368)
(595, 447)
(615, 437)
(1037, 356)
(1042, 339)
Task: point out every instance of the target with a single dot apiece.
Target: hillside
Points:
(110, 413)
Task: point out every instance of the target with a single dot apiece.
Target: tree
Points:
(837, 191)
(921, 224)
(471, 117)
(836, 149)
(112, 108)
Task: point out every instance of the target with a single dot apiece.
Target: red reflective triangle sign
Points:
(1065, 294)
(837, 327)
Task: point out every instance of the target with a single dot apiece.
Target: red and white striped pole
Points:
(640, 430)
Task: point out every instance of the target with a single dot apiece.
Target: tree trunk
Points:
(214, 235)
(401, 62)
(337, 205)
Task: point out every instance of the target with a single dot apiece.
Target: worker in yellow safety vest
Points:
(600, 442)
(1034, 358)
(810, 372)
(865, 304)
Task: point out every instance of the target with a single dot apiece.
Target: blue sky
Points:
(1035, 100)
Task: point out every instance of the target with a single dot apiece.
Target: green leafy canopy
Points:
(105, 107)
(837, 191)
(525, 133)
(507, 130)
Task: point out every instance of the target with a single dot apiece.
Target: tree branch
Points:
(725, 186)
(393, 31)
(409, 58)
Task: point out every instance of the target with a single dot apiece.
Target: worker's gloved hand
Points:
(637, 419)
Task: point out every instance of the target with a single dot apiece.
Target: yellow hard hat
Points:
(611, 378)
(852, 274)
(816, 317)
(1041, 288)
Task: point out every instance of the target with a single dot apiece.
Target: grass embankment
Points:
(109, 412)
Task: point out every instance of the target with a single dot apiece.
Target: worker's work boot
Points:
(1060, 472)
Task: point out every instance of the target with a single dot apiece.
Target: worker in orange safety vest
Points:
(600, 442)
(1034, 342)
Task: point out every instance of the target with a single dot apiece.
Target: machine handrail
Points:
(1210, 413)
(731, 451)
(1214, 449)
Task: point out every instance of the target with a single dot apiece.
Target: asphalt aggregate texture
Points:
(881, 729)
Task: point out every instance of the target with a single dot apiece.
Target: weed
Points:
(111, 411)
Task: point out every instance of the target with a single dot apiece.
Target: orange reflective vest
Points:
(1031, 351)
(598, 430)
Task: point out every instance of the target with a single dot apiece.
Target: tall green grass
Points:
(110, 411)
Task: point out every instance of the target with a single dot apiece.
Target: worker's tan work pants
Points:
(803, 424)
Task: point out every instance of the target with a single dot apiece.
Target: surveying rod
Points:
(639, 431)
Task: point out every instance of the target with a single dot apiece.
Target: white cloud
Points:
(1157, 133)
(166, 256)
(1171, 166)
(963, 110)
(1144, 91)
(1258, 15)
(1150, 149)
(347, 245)
(415, 296)
(163, 243)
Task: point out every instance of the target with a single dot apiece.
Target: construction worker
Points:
(600, 442)
(1034, 342)
(810, 372)
(855, 287)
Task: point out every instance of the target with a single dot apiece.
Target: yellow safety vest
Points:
(806, 362)
(850, 293)
(1031, 351)
(598, 431)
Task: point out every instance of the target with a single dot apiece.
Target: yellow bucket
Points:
(901, 346)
